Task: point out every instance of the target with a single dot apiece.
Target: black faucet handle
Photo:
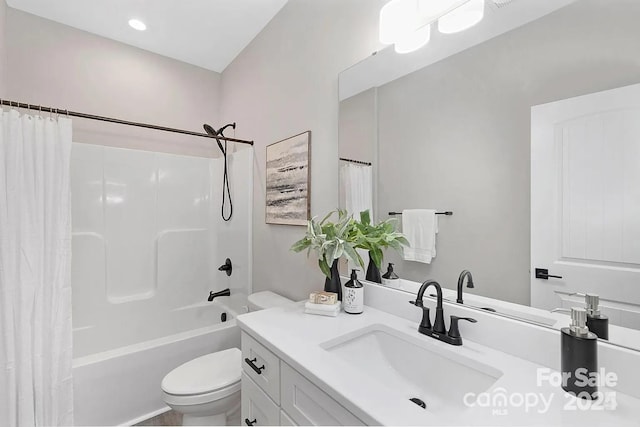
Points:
(417, 303)
(425, 323)
(454, 332)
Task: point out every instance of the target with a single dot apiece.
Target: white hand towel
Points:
(330, 310)
(322, 307)
(420, 226)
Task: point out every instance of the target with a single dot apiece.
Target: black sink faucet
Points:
(438, 323)
(438, 330)
(467, 274)
(223, 293)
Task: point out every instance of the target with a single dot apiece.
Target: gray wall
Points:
(56, 65)
(286, 82)
(456, 136)
(3, 48)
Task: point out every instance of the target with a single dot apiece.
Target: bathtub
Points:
(122, 386)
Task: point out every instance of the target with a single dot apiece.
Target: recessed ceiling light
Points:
(137, 24)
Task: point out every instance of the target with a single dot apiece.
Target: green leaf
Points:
(301, 245)
(365, 217)
(325, 267)
(376, 256)
(353, 256)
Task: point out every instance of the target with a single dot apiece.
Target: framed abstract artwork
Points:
(289, 180)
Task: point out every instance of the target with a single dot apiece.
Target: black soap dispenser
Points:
(596, 322)
(390, 278)
(579, 354)
(353, 299)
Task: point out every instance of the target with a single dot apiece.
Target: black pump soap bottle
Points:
(390, 278)
(579, 354)
(596, 322)
(353, 300)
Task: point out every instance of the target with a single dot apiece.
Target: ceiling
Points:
(206, 33)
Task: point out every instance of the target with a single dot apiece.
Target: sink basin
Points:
(413, 368)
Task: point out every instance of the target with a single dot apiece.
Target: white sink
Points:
(414, 368)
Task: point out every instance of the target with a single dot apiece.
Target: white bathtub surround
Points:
(35, 255)
(373, 363)
(147, 243)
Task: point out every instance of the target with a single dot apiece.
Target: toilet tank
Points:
(266, 299)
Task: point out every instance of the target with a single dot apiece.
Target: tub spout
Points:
(223, 293)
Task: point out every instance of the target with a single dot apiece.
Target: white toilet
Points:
(206, 390)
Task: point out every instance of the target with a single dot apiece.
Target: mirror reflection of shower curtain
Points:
(36, 387)
(357, 185)
(358, 189)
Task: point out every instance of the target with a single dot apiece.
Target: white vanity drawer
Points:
(257, 408)
(306, 404)
(285, 420)
(262, 366)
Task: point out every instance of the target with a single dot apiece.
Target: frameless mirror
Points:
(527, 128)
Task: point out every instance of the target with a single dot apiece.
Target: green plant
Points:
(330, 240)
(375, 238)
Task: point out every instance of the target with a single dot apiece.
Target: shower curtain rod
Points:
(117, 121)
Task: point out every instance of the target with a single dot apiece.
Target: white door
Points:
(585, 202)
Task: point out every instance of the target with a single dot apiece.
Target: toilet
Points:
(206, 390)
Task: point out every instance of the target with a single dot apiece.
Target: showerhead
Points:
(216, 133)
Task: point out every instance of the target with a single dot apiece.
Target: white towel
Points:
(420, 226)
(330, 310)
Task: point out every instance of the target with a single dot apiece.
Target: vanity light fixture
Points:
(407, 23)
(466, 16)
(137, 24)
(415, 40)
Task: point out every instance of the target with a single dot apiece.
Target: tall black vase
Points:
(334, 284)
(373, 272)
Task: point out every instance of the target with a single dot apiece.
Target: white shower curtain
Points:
(36, 386)
(358, 189)
(357, 184)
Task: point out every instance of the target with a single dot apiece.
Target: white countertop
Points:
(296, 337)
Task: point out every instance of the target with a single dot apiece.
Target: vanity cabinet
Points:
(274, 393)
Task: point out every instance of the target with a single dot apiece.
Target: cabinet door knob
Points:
(249, 423)
(253, 365)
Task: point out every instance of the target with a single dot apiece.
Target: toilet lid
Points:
(205, 374)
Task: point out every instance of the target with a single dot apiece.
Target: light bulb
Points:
(137, 24)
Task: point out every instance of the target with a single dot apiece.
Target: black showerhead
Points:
(216, 133)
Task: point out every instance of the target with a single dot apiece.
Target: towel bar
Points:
(447, 213)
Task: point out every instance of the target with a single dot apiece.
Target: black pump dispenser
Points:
(596, 322)
(579, 354)
(353, 301)
(390, 276)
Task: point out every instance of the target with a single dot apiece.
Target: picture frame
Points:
(288, 181)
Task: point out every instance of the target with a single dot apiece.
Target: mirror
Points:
(526, 128)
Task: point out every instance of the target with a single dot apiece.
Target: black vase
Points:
(334, 284)
(373, 272)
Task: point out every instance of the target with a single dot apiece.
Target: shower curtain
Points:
(357, 184)
(36, 386)
(358, 189)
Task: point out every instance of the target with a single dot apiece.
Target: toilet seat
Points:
(204, 379)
